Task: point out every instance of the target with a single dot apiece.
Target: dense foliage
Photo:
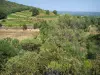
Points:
(35, 12)
(55, 12)
(47, 12)
(3, 14)
(24, 27)
(7, 7)
(63, 47)
(8, 48)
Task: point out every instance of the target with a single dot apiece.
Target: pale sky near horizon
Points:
(63, 5)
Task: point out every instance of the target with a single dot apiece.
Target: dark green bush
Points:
(36, 26)
(35, 12)
(24, 27)
(31, 45)
(3, 15)
(3, 20)
(8, 48)
(0, 25)
(55, 12)
(47, 12)
(93, 46)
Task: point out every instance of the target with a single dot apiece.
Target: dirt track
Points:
(18, 33)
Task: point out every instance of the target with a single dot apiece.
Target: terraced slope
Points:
(19, 19)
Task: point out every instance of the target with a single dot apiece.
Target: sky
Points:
(64, 5)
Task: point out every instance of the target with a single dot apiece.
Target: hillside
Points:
(18, 15)
(66, 47)
(11, 7)
(40, 42)
(25, 17)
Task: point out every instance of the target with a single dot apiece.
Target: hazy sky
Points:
(64, 5)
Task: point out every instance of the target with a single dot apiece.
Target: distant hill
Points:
(80, 13)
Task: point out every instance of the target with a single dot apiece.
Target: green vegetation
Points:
(2, 14)
(63, 47)
(7, 7)
(66, 45)
(22, 15)
(19, 19)
(47, 12)
(24, 27)
(8, 48)
(35, 12)
(17, 15)
(55, 12)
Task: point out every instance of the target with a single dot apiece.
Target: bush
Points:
(93, 46)
(24, 27)
(98, 28)
(96, 65)
(47, 12)
(35, 12)
(8, 48)
(45, 29)
(0, 25)
(73, 22)
(3, 15)
(31, 45)
(55, 12)
(36, 25)
(22, 64)
(3, 20)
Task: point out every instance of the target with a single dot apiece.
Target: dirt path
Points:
(18, 33)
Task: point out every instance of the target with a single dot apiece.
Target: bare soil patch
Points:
(18, 33)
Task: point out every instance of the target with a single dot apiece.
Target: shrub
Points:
(3, 20)
(55, 12)
(36, 25)
(96, 65)
(3, 14)
(24, 27)
(35, 12)
(0, 25)
(73, 22)
(31, 44)
(93, 46)
(47, 12)
(22, 64)
(8, 48)
(98, 28)
(55, 65)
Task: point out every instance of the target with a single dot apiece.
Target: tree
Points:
(8, 48)
(55, 12)
(36, 25)
(22, 64)
(24, 27)
(35, 12)
(3, 14)
(47, 12)
(31, 45)
(0, 25)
